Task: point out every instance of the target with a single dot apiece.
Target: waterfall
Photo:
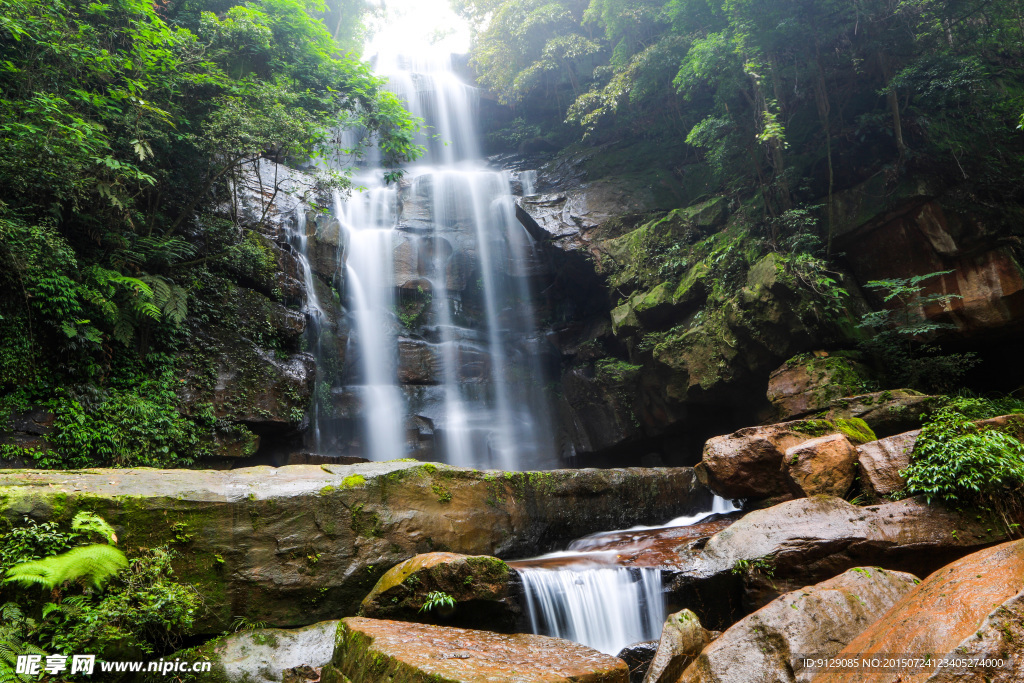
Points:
(434, 279)
(605, 608)
(581, 594)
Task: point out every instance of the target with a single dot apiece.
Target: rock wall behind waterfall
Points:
(669, 320)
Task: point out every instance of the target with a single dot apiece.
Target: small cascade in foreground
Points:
(584, 594)
(604, 608)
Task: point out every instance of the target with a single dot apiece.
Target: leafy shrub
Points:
(900, 333)
(95, 600)
(956, 461)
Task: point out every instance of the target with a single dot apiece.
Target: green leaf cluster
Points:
(94, 599)
(127, 127)
(960, 462)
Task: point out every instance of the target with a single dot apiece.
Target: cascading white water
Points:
(368, 221)
(298, 237)
(605, 608)
(446, 237)
(569, 594)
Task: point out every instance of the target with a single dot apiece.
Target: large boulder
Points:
(886, 412)
(972, 609)
(378, 651)
(809, 383)
(265, 655)
(881, 461)
(480, 586)
(807, 540)
(682, 639)
(815, 621)
(822, 466)
(299, 544)
(748, 463)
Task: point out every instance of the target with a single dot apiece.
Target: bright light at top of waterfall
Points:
(416, 26)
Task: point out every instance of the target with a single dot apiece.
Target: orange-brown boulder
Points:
(972, 609)
(822, 466)
(769, 644)
(384, 651)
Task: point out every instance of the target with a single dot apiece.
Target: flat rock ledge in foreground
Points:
(295, 545)
(384, 651)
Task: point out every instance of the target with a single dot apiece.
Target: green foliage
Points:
(436, 600)
(767, 95)
(96, 600)
(33, 541)
(247, 624)
(900, 332)
(88, 522)
(761, 565)
(143, 612)
(14, 623)
(124, 128)
(92, 564)
(956, 461)
(126, 426)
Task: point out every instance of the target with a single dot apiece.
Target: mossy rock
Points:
(372, 650)
(479, 585)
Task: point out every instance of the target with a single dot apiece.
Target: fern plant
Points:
(89, 522)
(437, 599)
(93, 565)
(13, 625)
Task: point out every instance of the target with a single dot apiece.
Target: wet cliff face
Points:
(669, 321)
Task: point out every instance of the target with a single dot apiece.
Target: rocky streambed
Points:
(407, 571)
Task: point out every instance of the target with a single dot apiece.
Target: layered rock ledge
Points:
(378, 650)
(304, 543)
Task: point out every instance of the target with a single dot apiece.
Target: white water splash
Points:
(606, 609)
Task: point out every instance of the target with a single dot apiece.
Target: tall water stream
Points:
(443, 357)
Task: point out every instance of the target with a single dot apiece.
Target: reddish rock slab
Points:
(383, 651)
(971, 607)
(638, 548)
(814, 621)
(881, 461)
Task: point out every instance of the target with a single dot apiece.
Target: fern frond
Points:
(176, 308)
(161, 289)
(94, 564)
(136, 285)
(124, 331)
(87, 521)
(147, 309)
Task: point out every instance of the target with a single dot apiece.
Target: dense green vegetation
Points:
(126, 127)
(960, 459)
(72, 591)
(792, 100)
